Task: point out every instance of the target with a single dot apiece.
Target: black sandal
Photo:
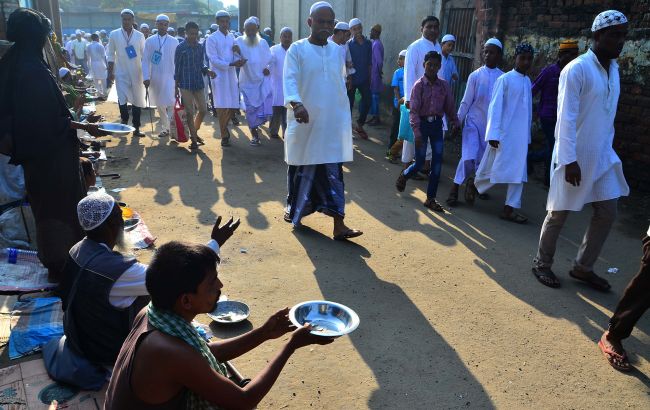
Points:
(434, 205)
(514, 217)
(594, 281)
(470, 191)
(452, 200)
(546, 277)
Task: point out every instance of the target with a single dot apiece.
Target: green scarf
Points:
(172, 324)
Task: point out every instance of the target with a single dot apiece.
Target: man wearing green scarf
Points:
(164, 362)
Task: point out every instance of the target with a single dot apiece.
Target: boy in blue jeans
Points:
(398, 90)
(431, 99)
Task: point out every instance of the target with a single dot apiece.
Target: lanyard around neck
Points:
(160, 45)
(127, 39)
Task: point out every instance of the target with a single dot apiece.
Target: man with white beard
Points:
(254, 81)
(158, 72)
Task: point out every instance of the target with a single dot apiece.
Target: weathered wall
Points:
(544, 23)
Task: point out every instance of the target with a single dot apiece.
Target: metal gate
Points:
(460, 21)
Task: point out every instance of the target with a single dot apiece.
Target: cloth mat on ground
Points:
(33, 323)
(140, 237)
(23, 276)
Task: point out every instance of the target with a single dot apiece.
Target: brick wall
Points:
(544, 23)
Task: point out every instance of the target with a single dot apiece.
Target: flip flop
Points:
(617, 361)
(287, 217)
(514, 217)
(594, 281)
(470, 191)
(349, 234)
(551, 280)
(434, 205)
(453, 199)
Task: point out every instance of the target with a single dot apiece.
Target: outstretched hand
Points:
(222, 233)
(278, 324)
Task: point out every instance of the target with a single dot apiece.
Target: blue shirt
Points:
(398, 81)
(448, 68)
(361, 59)
(190, 66)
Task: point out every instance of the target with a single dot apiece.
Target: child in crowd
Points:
(394, 145)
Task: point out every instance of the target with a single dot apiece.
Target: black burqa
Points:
(37, 120)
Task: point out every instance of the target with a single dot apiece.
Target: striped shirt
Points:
(190, 66)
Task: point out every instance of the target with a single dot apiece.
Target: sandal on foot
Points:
(400, 184)
(287, 217)
(200, 141)
(453, 199)
(349, 234)
(470, 191)
(546, 277)
(618, 361)
(593, 280)
(225, 142)
(514, 217)
(434, 205)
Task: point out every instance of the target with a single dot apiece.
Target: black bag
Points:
(63, 362)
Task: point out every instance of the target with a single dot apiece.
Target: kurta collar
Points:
(613, 64)
(429, 41)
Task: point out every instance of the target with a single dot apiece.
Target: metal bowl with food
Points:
(329, 319)
(230, 311)
(131, 223)
(115, 128)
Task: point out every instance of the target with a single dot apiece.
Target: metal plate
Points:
(230, 311)
(328, 319)
(115, 128)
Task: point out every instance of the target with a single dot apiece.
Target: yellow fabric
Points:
(568, 45)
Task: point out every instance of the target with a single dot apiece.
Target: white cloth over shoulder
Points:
(413, 64)
(97, 55)
(314, 75)
(127, 71)
(252, 81)
(509, 119)
(225, 90)
(586, 108)
(278, 54)
(162, 89)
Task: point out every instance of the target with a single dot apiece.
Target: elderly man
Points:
(318, 136)
(276, 66)
(224, 60)
(158, 72)
(361, 53)
(144, 29)
(376, 73)
(254, 80)
(103, 290)
(124, 55)
(586, 168)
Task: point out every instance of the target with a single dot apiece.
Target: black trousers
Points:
(394, 129)
(124, 114)
(635, 300)
(366, 99)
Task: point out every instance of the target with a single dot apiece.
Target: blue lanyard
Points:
(127, 39)
(160, 46)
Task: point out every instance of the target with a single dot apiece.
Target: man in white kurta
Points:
(508, 133)
(79, 51)
(474, 111)
(586, 169)
(254, 78)
(276, 66)
(319, 131)
(224, 59)
(97, 58)
(124, 55)
(414, 70)
(158, 71)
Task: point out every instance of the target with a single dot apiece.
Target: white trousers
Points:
(100, 84)
(164, 113)
(513, 196)
(408, 151)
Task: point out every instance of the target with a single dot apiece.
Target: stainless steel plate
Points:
(327, 318)
(115, 128)
(230, 311)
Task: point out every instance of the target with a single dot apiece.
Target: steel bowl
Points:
(115, 128)
(230, 311)
(328, 319)
(131, 223)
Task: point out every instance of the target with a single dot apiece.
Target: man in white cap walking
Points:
(224, 59)
(144, 29)
(361, 51)
(97, 58)
(276, 66)
(79, 51)
(341, 37)
(319, 137)
(124, 55)
(158, 72)
(585, 168)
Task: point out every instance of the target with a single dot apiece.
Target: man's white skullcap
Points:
(267, 30)
(162, 17)
(354, 22)
(171, 30)
(63, 71)
(127, 11)
(448, 37)
(607, 19)
(286, 29)
(222, 13)
(94, 210)
(251, 20)
(319, 5)
(494, 42)
(214, 27)
(77, 31)
(342, 25)
(402, 53)
(144, 25)
(102, 31)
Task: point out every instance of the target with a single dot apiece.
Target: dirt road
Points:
(451, 315)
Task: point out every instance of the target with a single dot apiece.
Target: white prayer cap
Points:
(144, 25)
(607, 19)
(251, 20)
(171, 30)
(319, 5)
(402, 53)
(77, 31)
(342, 25)
(494, 42)
(448, 37)
(127, 11)
(94, 210)
(354, 22)
(267, 30)
(214, 27)
(63, 71)
(222, 13)
(102, 31)
(286, 29)
(162, 17)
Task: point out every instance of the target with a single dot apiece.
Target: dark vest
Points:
(97, 328)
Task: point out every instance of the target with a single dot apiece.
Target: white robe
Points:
(225, 91)
(97, 56)
(252, 82)
(413, 63)
(162, 89)
(509, 119)
(314, 75)
(276, 66)
(127, 71)
(587, 101)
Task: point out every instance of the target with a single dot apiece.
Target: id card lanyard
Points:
(130, 50)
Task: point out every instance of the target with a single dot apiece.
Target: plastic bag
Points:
(178, 129)
(405, 131)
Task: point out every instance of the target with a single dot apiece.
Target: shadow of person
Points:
(411, 362)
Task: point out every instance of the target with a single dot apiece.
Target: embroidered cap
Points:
(607, 19)
(524, 48)
(94, 210)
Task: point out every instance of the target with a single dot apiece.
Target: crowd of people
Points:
(136, 319)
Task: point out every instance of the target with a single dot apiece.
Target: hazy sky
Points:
(229, 2)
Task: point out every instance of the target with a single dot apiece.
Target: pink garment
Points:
(431, 99)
